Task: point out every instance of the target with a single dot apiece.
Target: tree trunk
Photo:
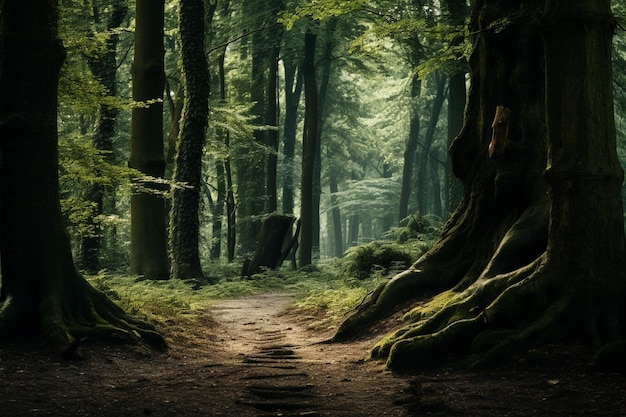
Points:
(325, 63)
(41, 289)
(308, 149)
(556, 270)
(272, 135)
(336, 217)
(274, 244)
(252, 168)
(436, 187)
(457, 13)
(104, 69)
(456, 108)
(410, 149)
(220, 172)
(184, 221)
(425, 155)
(293, 90)
(148, 236)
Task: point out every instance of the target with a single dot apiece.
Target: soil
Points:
(252, 356)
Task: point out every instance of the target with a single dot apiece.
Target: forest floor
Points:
(251, 356)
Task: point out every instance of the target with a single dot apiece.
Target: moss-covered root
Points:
(67, 314)
(381, 303)
(523, 313)
(94, 316)
(454, 339)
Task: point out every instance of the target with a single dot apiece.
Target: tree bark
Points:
(184, 229)
(425, 154)
(336, 217)
(272, 135)
(274, 244)
(148, 236)
(293, 91)
(42, 290)
(410, 149)
(308, 149)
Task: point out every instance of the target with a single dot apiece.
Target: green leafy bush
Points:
(362, 261)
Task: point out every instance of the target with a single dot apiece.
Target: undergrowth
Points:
(326, 291)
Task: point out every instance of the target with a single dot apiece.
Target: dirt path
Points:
(243, 358)
(250, 357)
(285, 371)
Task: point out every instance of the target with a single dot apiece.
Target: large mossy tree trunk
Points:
(42, 291)
(184, 231)
(523, 259)
(148, 235)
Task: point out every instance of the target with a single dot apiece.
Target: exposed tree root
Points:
(77, 311)
(494, 319)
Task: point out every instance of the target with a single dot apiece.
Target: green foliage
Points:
(82, 166)
(416, 227)
(383, 258)
(162, 301)
(320, 10)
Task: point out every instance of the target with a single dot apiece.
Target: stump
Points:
(274, 244)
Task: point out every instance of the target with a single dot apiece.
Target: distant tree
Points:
(426, 154)
(293, 90)
(103, 65)
(42, 290)
(148, 236)
(537, 156)
(309, 146)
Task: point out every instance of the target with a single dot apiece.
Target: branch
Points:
(225, 44)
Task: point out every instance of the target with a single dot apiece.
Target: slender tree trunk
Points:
(252, 168)
(293, 90)
(231, 212)
(220, 171)
(436, 187)
(148, 236)
(104, 68)
(425, 155)
(410, 149)
(272, 135)
(184, 215)
(325, 63)
(308, 149)
(336, 217)
(41, 289)
(456, 108)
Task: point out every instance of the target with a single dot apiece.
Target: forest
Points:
(421, 183)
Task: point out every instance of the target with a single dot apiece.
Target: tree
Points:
(104, 68)
(184, 222)
(556, 271)
(309, 146)
(42, 290)
(148, 236)
(293, 91)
